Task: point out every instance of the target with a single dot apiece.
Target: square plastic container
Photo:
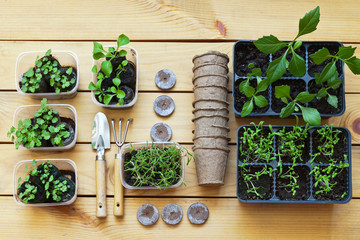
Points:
(61, 164)
(26, 60)
(131, 56)
(127, 148)
(65, 110)
(305, 164)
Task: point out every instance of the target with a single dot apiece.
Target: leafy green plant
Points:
(44, 126)
(62, 81)
(31, 81)
(250, 92)
(45, 176)
(328, 78)
(113, 57)
(292, 177)
(256, 144)
(153, 166)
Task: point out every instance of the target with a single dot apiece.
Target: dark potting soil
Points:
(339, 149)
(283, 192)
(338, 189)
(245, 147)
(300, 51)
(265, 185)
(248, 53)
(128, 77)
(128, 175)
(241, 99)
(296, 86)
(313, 68)
(287, 158)
(321, 104)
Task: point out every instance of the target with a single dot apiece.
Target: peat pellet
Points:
(161, 132)
(198, 213)
(165, 79)
(164, 106)
(172, 214)
(147, 214)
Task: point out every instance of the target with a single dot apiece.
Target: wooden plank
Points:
(177, 20)
(84, 158)
(152, 57)
(228, 219)
(179, 121)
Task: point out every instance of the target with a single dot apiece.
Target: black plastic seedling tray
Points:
(240, 75)
(305, 163)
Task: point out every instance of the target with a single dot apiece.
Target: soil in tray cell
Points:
(321, 104)
(296, 86)
(285, 146)
(246, 53)
(300, 51)
(284, 184)
(339, 191)
(253, 155)
(240, 98)
(320, 145)
(313, 68)
(263, 186)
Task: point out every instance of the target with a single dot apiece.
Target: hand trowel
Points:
(100, 140)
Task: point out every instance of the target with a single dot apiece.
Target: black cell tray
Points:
(273, 164)
(306, 78)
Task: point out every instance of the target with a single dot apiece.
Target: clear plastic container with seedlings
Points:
(294, 164)
(45, 182)
(157, 165)
(55, 75)
(115, 74)
(46, 127)
(281, 78)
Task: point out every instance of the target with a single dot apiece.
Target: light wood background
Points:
(166, 34)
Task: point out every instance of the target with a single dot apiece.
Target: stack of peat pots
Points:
(211, 116)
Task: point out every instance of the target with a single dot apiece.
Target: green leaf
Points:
(116, 81)
(260, 101)
(321, 93)
(98, 55)
(256, 72)
(107, 98)
(332, 100)
(106, 67)
(297, 44)
(354, 65)
(48, 52)
(122, 53)
(269, 44)
(243, 85)
(287, 110)
(113, 89)
(277, 68)
(346, 52)
(311, 115)
(327, 73)
(33, 163)
(43, 102)
(57, 90)
(247, 108)
(297, 65)
(94, 69)
(98, 84)
(251, 65)
(92, 86)
(305, 97)
(249, 91)
(122, 40)
(29, 73)
(334, 83)
(282, 91)
(320, 56)
(98, 48)
(120, 94)
(309, 22)
(69, 70)
(27, 123)
(46, 135)
(262, 85)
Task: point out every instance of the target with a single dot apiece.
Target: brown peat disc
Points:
(165, 79)
(147, 214)
(172, 214)
(198, 213)
(164, 106)
(161, 132)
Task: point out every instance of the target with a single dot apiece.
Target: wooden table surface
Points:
(166, 34)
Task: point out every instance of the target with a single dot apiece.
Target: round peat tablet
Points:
(165, 79)
(164, 105)
(161, 132)
(147, 214)
(198, 213)
(172, 214)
